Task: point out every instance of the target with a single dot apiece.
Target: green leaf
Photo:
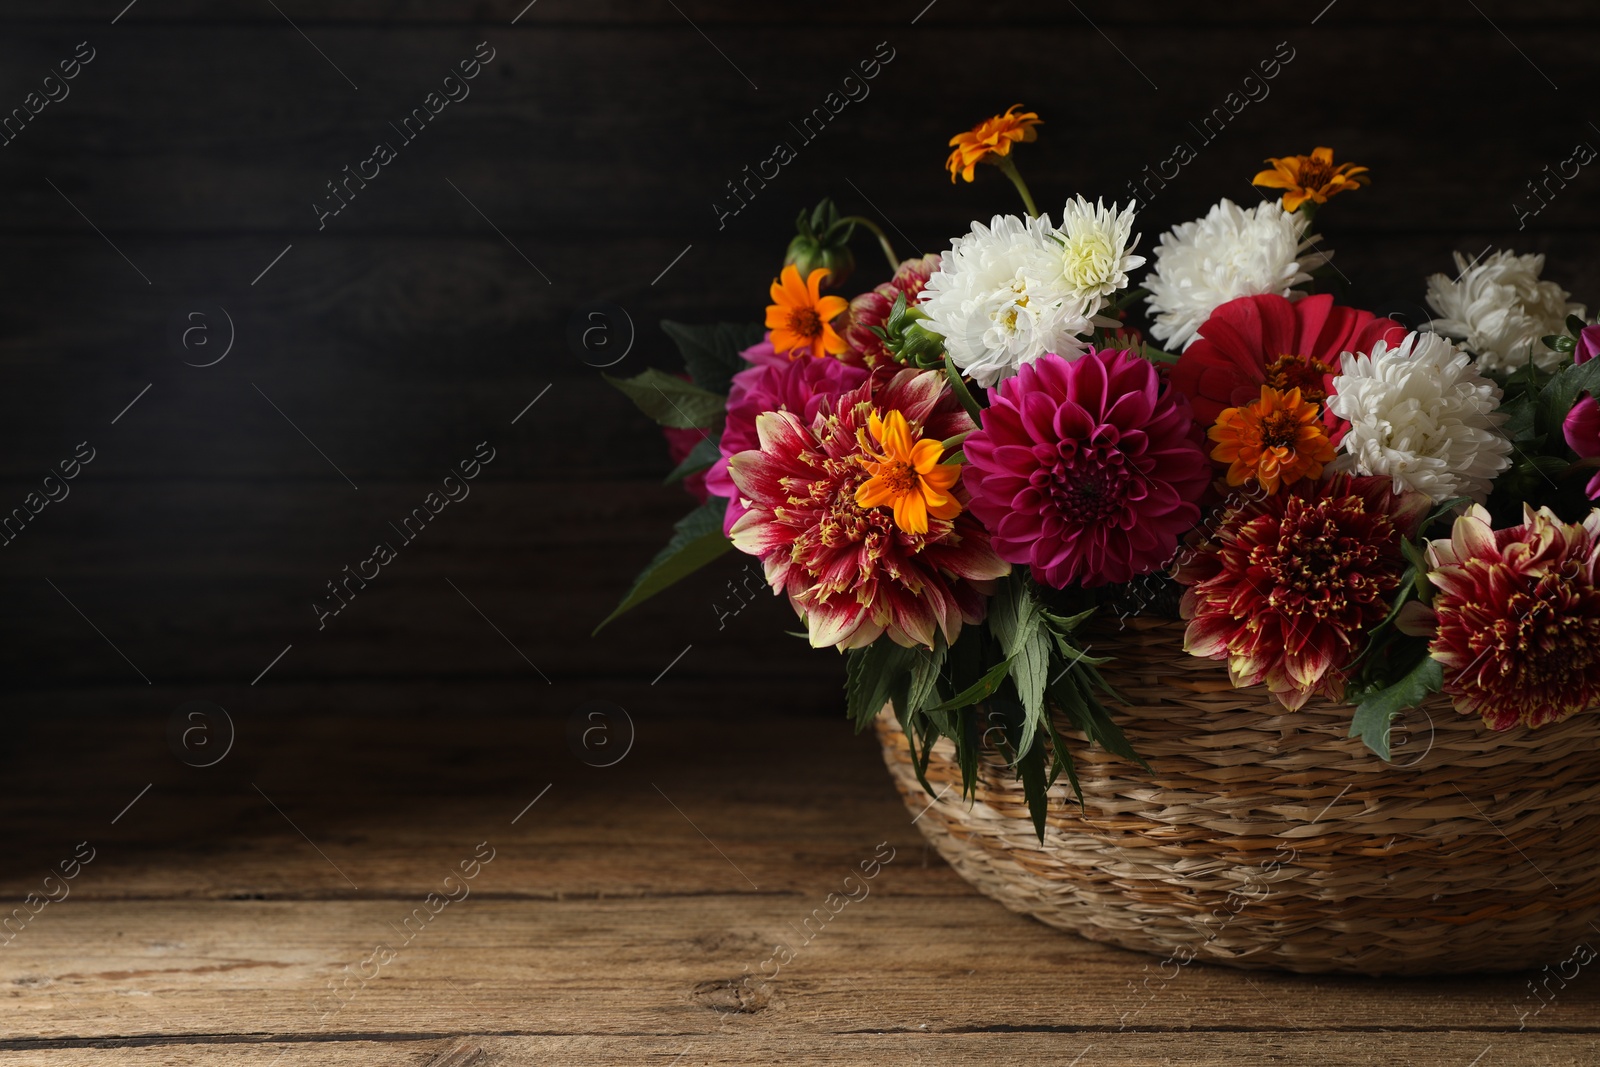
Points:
(697, 539)
(1374, 715)
(1519, 414)
(1030, 768)
(1560, 342)
(1558, 397)
(673, 402)
(700, 457)
(712, 351)
(977, 692)
(884, 671)
(1017, 621)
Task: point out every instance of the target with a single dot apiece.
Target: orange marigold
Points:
(801, 318)
(1313, 178)
(1277, 440)
(989, 139)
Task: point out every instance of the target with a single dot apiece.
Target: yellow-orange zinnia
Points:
(989, 138)
(1277, 440)
(1313, 177)
(906, 474)
(799, 315)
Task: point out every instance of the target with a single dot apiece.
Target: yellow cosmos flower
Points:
(1313, 178)
(800, 316)
(907, 474)
(990, 139)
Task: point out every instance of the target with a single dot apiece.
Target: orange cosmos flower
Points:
(989, 139)
(1277, 439)
(799, 315)
(1313, 178)
(907, 475)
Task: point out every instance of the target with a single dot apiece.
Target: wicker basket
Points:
(1267, 839)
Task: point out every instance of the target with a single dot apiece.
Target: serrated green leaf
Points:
(1016, 618)
(876, 674)
(979, 691)
(1374, 715)
(697, 539)
(712, 351)
(700, 457)
(673, 402)
(1557, 398)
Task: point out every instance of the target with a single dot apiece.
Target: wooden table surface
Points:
(238, 913)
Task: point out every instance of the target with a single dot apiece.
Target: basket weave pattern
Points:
(1269, 839)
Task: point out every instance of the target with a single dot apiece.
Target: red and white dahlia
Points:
(872, 308)
(850, 571)
(1287, 586)
(1268, 340)
(1517, 617)
(1088, 471)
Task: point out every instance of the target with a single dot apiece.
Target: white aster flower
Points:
(999, 300)
(1422, 414)
(1095, 247)
(1500, 309)
(1230, 253)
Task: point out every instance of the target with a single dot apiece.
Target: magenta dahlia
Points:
(849, 571)
(774, 382)
(872, 308)
(1517, 617)
(1088, 471)
(1287, 585)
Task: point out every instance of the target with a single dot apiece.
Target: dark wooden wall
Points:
(597, 141)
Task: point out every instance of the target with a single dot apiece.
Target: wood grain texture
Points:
(612, 924)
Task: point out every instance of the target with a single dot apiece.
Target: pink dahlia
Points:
(774, 383)
(1287, 585)
(1582, 431)
(872, 309)
(1087, 471)
(1517, 617)
(849, 571)
(1268, 340)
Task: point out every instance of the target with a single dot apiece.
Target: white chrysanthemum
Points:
(1500, 309)
(999, 301)
(1095, 247)
(1230, 253)
(1422, 414)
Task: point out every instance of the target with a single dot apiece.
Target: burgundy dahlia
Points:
(1287, 585)
(872, 308)
(774, 382)
(1517, 617)
(850, 571)
(1088, 471)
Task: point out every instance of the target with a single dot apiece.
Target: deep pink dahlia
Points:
(850, 572)
(872, 309)
(773, 383)
(1087, 471)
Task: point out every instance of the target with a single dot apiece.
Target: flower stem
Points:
(883, 239)
(1009, 169)
(959, 388)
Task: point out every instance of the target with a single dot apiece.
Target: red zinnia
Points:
(1518, 617)
(850, 571)
(872, 308)
(1288, 585)
(1268, 340)
(1087, 471)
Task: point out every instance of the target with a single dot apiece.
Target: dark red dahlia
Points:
(1269, 340)
(1088, 471)
(871, 309)
(1518, 617)
(849, 571)
(1287, 585)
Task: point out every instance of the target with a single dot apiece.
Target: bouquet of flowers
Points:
(951, 473)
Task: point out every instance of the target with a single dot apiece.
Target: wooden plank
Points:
(159, 157)
(1149, 16)
(672, 966)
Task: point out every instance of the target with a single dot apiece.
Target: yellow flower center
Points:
(1087, 261)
